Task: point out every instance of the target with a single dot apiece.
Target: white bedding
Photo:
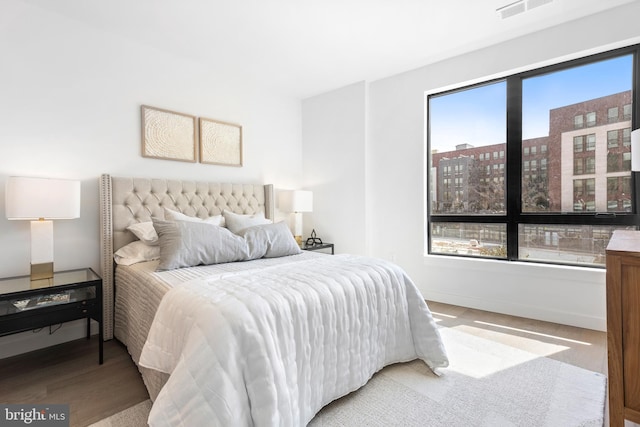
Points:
(181, 275)
(272, 347)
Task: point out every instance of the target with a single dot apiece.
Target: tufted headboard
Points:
(126, 201)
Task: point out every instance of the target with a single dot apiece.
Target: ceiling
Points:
(306, 47)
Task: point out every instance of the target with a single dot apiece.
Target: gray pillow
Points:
(186, 244)
(270, 241)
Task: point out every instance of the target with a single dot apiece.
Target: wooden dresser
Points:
(623, 326)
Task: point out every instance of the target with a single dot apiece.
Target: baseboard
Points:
(521, 310)
(24, 342)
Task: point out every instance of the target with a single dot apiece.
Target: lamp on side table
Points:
(42, 200)
(296, 202)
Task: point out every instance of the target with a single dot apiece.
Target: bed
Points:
(266, 340)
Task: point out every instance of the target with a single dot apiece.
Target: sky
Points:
(477, 116)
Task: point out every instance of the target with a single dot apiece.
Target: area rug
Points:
(135, 416)
(487, 384)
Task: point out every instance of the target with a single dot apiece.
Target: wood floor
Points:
(69, 373)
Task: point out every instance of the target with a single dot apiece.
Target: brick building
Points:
(583, 165)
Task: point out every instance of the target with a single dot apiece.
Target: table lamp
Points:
(42, 200)
(296, 202)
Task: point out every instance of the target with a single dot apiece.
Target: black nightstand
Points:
(69, 295)
(318, 247)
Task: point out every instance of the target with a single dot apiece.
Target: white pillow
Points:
(172, 215)
(236, 222)
(145, 232)
(136, 252)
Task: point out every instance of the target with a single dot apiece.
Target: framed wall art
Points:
(220, 143)
(168, 135)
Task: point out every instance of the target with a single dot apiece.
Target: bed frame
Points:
(125, 201)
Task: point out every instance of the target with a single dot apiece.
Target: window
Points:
(613, 162)
(567, 175)
(612, 138)
(626, 112)
(626, 161)
(583, 193)
(618, 193)
(483, 195)
(578, 144)
(626, 137)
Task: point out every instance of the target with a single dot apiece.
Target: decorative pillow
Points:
(236, 222)
(186, 244)
(178, 216)
(145, 232)
(270, 241)
(136, 252)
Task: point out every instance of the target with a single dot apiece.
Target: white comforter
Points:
(271, 348)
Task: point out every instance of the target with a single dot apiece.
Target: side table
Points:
(318, 247)
(69, 295)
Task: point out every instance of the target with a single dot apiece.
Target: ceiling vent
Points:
(518, 7)
(532, 4)
(511, 9)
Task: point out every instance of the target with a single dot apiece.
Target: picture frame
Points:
(168, 135)
(220, 142)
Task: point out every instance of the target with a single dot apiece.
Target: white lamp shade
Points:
(296, 201)
(35, 198)
(635, 150)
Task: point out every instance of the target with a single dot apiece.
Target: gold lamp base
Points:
(42, 271)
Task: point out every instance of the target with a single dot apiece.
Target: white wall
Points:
(333, 153)
(70, 99)
(395, 188)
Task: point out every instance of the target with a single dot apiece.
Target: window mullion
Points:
(635, 124)
(514, 163)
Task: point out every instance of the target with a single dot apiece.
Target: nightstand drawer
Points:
(42, 317)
